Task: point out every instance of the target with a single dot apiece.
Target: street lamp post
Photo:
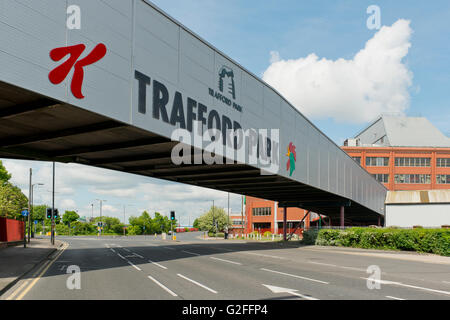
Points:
(101, 222)
(32, 204)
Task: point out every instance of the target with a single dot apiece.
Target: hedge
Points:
(435, 241)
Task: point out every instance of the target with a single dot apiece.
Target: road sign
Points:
(35, 221)
(24, 213)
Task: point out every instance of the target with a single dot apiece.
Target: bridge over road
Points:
(121, 91)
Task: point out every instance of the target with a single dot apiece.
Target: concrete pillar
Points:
(285, 224)
(379, 221)
(342, 216)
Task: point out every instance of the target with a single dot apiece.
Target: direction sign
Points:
(35, 221)
(25, 213)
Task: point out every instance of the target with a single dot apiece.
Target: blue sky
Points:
(248, 31)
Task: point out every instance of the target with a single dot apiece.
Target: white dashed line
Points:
(136, 267)
(188, 252)
(157, 264)
(264, 255)
(395, 298)
(163, 286)
(226, 260)
(407, 285)
(295, 276)
(169, 248)
(121, 256)
(197, 283)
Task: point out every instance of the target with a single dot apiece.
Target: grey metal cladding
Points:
(139, 36)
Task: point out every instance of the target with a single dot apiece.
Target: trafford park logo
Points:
(227, 89)
(57, 75)
(292, 155)
(227, 72)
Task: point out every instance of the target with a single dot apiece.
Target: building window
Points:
(237, 222)
(413, 178)
(384, 178)
(377, 161)
(262, 211)
(259, 225)
(443, 179)
(443, 162)
(357, 159)
(412, 162)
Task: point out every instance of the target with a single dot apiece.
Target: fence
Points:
(11, 230)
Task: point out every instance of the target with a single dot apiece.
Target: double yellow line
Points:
(42, 270)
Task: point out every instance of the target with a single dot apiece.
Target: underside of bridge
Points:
(33, 127)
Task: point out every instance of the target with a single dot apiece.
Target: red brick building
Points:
(403, 153)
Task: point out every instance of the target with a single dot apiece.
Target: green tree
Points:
(39, 212)
(4, 174)
(196, 224)
(144, 224)
(214, 220)
(110, 224)
(69, 217)
(12, 200)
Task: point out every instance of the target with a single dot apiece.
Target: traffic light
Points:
(172, 215)
(49, 213)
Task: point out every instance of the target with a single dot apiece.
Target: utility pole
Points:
(242, 215)
(53, 207)
(32, 202)
(29, 209)
(214, 220)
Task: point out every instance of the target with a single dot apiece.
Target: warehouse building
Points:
(427, 208)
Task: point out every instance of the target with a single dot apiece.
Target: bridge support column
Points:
(342, 216)
(284, 223)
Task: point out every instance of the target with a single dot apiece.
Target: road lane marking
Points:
(17, 291)
(197, 283)
(336, 266)
(121, 256)
(323, 264)
(406, 285)
(226, 260)
(193, 253)
(169, 248)
(395, 298)
(136, 267)
(163, 286)
(112, 250)
(157, 264)
(45, 268)
(126, 250)
(295, 276)
(263, 255)
(294, 292)
(138, 255)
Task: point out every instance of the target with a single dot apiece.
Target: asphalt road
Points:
(149, 268)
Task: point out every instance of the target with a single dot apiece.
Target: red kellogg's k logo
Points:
(58, 74)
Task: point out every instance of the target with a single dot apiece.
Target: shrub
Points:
(267, 234)
(435, 241)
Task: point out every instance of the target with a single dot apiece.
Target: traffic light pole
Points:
(29, 209)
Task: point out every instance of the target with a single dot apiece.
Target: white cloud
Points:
(375, 81)
(67, 204)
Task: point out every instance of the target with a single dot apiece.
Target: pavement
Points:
(145, 268)
(16, 261)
